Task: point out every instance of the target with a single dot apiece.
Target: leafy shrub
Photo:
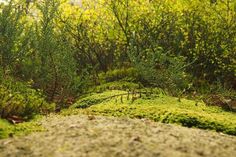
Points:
(117, 85)
(19, 99)
(129, 74)
(160, 69)
(34, 46)
(11, 31)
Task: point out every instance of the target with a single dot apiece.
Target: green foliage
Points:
(11, 31)
(67, 49)
(118, 85)
(35, 46)
(201, 32)
(208, 34)
(19, 99)
(124, 74)
(161, 108)
(216, 88)
(54, 56)
(159, 69)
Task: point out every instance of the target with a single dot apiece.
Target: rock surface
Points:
(96, 136)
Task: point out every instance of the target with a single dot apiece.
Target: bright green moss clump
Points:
(8, 130)
(96, 98)
(161, 108)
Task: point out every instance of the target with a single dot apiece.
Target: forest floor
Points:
(88, 136)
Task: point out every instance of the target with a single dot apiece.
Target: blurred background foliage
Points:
(64, 49)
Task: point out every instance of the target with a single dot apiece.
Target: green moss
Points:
(8, 130)
(161, 108)
(96, 98)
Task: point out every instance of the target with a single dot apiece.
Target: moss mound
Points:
(157, 107)
(9, 130)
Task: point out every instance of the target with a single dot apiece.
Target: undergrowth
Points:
(19, 99)
(118, 85)
(124, 74)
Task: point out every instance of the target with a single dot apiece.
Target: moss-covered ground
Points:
(154, 105)
(107, 123)
(8, 130)
(157, 107)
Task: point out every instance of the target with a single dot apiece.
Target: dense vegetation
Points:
(53, 52)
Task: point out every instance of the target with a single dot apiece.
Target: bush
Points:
(201, 31)
(160, 69)
(19, 99)
(34, 45)
(124, 74)
(117, 85)
(11, 31)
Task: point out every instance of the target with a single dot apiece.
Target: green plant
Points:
(11, 36)
(18, 99)
(124, 74)
(117, 85)
(160, 69)
(67, 49)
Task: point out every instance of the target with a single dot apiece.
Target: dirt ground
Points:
(95, 136)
